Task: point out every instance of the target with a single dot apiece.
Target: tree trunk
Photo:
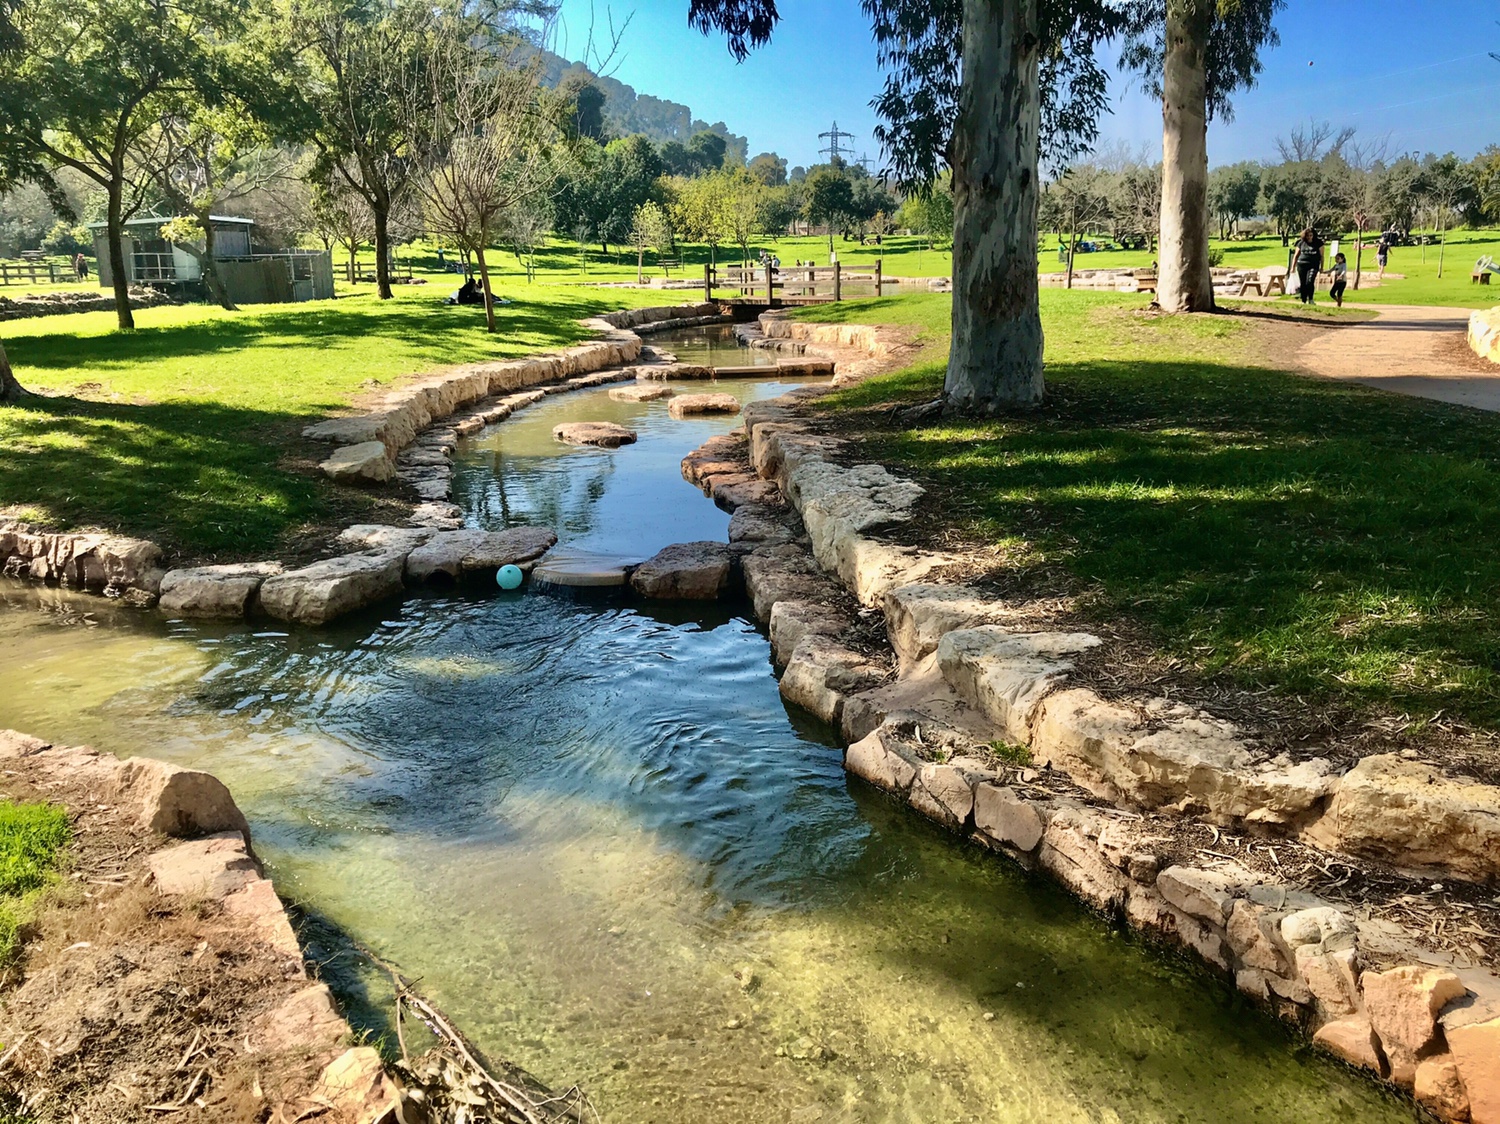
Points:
(382, 252)
(995, 362)
(640, 265)
(115, 235)
(210, 266)
(11, 391)
(1072, 245)
(1359, 251)
(1185, 282)
(1442, 249)
(489, 297)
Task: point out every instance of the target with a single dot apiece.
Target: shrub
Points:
(68, 240)
(1215, 257)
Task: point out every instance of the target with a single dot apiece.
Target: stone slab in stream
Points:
(326, 590)
(690, 404)
(603, 435)
(640, 392)
(475, 552)
(690, 571)
(214, 591)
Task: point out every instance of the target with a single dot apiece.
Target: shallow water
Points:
(713, 345)
(575, 822)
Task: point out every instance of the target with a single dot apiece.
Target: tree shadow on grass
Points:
(197, 476)
(1311, 535)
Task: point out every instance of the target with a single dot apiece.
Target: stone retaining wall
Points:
(69, 301)
(1484, 333)
(1109, 783)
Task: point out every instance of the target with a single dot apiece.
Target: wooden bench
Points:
(1479, 277)
(1266, 282)
(32, 255)
(1145, 280)
(669, 264)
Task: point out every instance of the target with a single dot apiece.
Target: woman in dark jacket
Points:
(1309, 259)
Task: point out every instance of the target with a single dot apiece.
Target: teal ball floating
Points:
(509, 577)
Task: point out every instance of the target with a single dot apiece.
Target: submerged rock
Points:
(603, 435)
(640, 392)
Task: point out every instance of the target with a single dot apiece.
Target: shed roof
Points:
(160, 220)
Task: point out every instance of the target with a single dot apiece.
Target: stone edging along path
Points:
(1153, 812)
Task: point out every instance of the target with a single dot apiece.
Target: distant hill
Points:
(628, 112)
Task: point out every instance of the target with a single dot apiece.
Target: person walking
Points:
(1340, 279)
(81, 268)
(1309, 259)
(1383, 252)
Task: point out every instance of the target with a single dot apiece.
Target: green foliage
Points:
(1215, 257)
(68, 240)
(1011, 754)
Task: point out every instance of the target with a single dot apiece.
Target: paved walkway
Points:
(1408, 350)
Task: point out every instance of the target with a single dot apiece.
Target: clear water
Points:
(714, 345)
(576, 822)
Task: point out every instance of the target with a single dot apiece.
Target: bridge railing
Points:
(794, 284)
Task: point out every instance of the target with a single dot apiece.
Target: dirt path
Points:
(1407, 350)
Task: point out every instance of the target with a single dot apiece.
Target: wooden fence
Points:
(29, 273)
(793, 284)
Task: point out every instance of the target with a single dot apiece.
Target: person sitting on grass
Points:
(1340, 279)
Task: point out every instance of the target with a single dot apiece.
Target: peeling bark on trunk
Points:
(11, 391)
(209, 264)
(115, 236)
(1185, 282)
(996, 359)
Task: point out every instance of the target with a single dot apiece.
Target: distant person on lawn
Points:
(1340, 279)
(81, 267)
(1383, 252)
(1309, 260)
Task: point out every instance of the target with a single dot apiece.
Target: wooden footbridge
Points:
(790, 285)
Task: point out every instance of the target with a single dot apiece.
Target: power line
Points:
(834, 151)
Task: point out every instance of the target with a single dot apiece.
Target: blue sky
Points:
(1416, 70)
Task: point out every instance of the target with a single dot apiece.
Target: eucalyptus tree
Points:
(984, 87)
(95, 77)
(16, 165)
(1193, 54)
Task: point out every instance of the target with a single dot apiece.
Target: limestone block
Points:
(369, 462)
(1476, 1053)
(1439, 1087)
(758, 524)
(781, 573)
(1005, 675)
(1403, 1005)
(943, 793)
(640, 392)
(437, 516)
(733, 493)
(1184, 762)
(1071, 853)
(1416, 817)
(1204, 894)
(476, 553)
(822, 672)
(258, 903)
(1332, 978)
(792, 620)
(688, 405)
(213, 867)
(881, 759)
(1252, 981)
(378, 536)
(356, 1086)
(1353, 1040)
(602, 435)
(694, 571)
(718, 456)
(214, 591)
(1003, 815)
(918, 615)
(1251, 936)
(174, 801)
(1320, 929)
(306, 1020)
(327, 590)
(922, 698)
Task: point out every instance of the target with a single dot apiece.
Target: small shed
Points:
(249, 276)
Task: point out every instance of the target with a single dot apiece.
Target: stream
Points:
(595, 834)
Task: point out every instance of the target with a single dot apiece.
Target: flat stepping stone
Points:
(690, 571)
(640, 392)
(214, 591)
(581, 570)
(601, 435)
(687, 405)
(466, 553)
(326, 590)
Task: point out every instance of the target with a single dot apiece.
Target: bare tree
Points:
(648, 230)
(1082, 202)
(485, 134)
(526, 227)
(341, 217)
(1314, 141)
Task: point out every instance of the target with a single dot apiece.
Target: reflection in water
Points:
(713, 345)
(595, 835)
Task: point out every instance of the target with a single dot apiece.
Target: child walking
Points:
(1340, 279)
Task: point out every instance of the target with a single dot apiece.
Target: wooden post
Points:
(877, 278)
(838, 280)
(708, 283)
(770, 284)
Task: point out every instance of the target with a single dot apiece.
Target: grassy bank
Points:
(188, 429)
(1327, 540)
(32, 837)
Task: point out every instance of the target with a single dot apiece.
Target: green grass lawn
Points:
(1327, 540)
(32, 837)
(187, 430)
